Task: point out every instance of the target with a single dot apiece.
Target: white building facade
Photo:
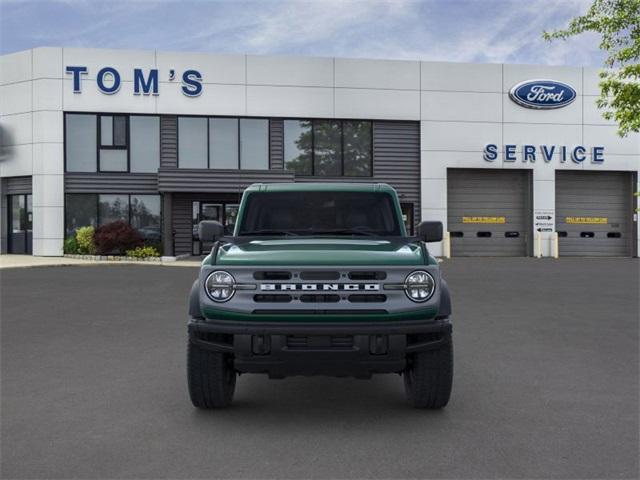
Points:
(164, 139)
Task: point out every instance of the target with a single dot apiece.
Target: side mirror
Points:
(430, 231)
(210, 230)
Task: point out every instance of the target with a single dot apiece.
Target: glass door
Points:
(230, 214)
(203, 211)
(407, 217)
(20, 224)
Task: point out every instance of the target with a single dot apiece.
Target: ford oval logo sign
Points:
(542, 94)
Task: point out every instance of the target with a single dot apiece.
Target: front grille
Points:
(262, 298)
(299, 342)
(319, 298)
(367, 275)
(342, 288)
(275, 275)
(319, 275)
(358, 298)
(276, 311)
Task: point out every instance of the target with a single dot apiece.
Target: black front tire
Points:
(211, 377)
(429, 376)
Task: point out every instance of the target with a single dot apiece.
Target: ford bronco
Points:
(319, 279)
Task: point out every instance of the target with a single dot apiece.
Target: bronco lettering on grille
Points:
(311, 287)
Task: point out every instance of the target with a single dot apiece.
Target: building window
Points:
(146, 217)
(142, 212)
(254, 144)
(330, 148)
(80, 142)
(192, 142)
(112, 143)
(80, 211)
(297, 146)
(112, 208)
(145, 143)
(327, 148)
(357, 149)
(223, 143)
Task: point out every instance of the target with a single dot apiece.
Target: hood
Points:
(321, 251)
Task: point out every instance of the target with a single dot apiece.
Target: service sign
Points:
(544, 220)
(542, 94)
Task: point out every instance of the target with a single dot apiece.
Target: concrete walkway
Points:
(25, 261)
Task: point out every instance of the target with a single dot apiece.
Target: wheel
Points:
(211, 377)
(429, 376)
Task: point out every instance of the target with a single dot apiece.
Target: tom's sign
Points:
(108, 80)
(542, 94)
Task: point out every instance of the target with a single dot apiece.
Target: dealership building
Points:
(515, 160)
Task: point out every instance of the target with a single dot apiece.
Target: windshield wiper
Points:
(266, 231)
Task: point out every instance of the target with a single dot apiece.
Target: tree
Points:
(618, 23)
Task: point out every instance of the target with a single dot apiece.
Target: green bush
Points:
(84, 237)
(70, 245)
(143, 252)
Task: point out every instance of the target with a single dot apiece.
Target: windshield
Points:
(319, 213)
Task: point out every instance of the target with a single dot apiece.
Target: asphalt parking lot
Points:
(546, 384)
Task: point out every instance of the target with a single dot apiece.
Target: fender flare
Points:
(445, 301)
(194, 301)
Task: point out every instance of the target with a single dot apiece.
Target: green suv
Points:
(320, 279)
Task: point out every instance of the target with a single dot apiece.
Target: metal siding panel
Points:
(396, 160)
(182, 225)
(168, 141)
(18, 185)
(222, 181)
(594, 194)
(276, 145)
(488, 193)
(110, 183)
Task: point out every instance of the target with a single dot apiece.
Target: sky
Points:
(486, 31)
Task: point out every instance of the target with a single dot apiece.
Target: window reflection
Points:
(297, 146)
(327, 143)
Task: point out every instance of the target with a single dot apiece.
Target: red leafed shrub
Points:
(116, 238)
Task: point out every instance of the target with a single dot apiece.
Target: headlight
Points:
(220, 286)
(419, 286)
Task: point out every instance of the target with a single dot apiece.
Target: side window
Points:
(80, 142)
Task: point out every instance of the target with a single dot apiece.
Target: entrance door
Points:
(407, 216)
(204, 211)
(489, 212)
(20, 222)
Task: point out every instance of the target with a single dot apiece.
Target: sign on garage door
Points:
(594, 213)
(488, 212)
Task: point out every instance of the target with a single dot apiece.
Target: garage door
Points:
(594, 213)
(488, 212)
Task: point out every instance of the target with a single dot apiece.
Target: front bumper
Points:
(328, 348)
